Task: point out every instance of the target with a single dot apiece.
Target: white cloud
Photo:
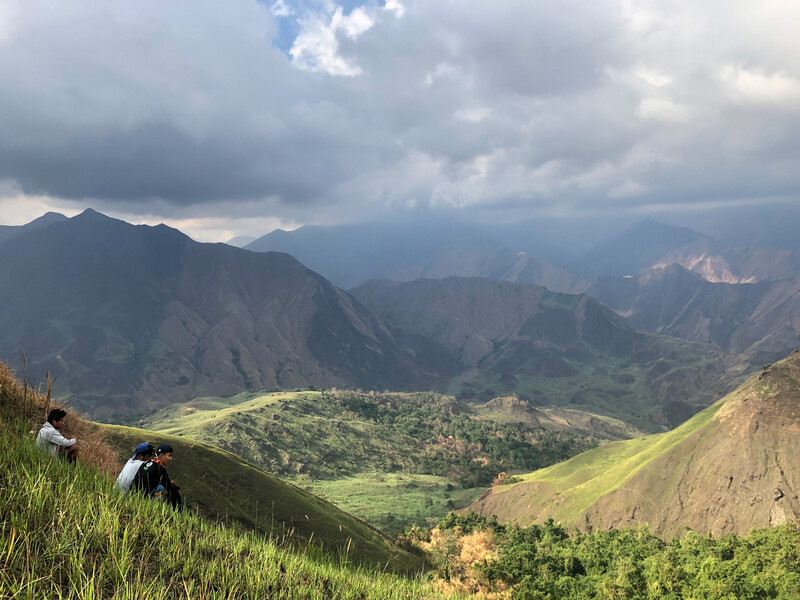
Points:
(473, 115)
(654, 78)
(280, 9)
(316, 49)
(8, 11)
(354, 24)
(394, 6)
(762, 88)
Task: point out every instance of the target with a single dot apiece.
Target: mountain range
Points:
(553, 349)
(349, 255)
(130, 319)
(352, 254)
(651, 244)
(133, 318)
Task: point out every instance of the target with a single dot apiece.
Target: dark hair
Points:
(148, 452)
(56, 415)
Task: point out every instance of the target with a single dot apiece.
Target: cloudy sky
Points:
(227, 117)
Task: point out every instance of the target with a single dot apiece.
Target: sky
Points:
(235, 117)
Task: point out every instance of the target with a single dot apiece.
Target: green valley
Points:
(392, 459)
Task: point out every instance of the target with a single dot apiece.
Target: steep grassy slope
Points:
(216, 483)
(428, 450)
(224, 487)
(730, 468)
(65, 533)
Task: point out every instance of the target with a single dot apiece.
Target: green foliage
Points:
(340, 433)
(470, 521)
(337, 442)
(548, 562)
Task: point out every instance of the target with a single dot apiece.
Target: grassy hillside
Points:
(391, 459)
(591, 475)
(728, 469)
(65, 533)
(223, 487)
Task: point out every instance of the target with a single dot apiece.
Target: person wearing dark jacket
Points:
(153, 481)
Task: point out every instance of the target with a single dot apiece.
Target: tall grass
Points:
(66, 533)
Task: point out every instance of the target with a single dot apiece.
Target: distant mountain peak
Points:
(240, 241)
(664, 233)
(91, 215)
(48, 218)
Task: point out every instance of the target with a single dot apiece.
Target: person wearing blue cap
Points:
(142, 454)
(153, 481)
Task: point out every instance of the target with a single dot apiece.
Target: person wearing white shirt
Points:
(142, 454)
(51, 439)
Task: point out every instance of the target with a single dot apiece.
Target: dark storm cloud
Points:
(437, 105)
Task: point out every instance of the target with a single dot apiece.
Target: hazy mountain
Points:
(132, 318)
(755, 319)
(761, 225)
(240, 241)
(651, 244)
(349, 255)
(553, 349)
(729, 469)
(8, 232)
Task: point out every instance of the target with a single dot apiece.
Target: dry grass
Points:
(22, 400)
(460, 558)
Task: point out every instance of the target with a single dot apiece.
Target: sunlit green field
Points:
(393, 501)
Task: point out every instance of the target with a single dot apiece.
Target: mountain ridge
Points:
(553, 348)
(756, 319)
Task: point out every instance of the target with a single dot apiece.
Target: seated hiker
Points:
(153, 481)
(141, 455)
(52, 441)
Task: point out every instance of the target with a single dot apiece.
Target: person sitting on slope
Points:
(141, 455)
(153, 481)
(50, 439)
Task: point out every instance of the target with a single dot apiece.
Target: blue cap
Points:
(143, 448)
